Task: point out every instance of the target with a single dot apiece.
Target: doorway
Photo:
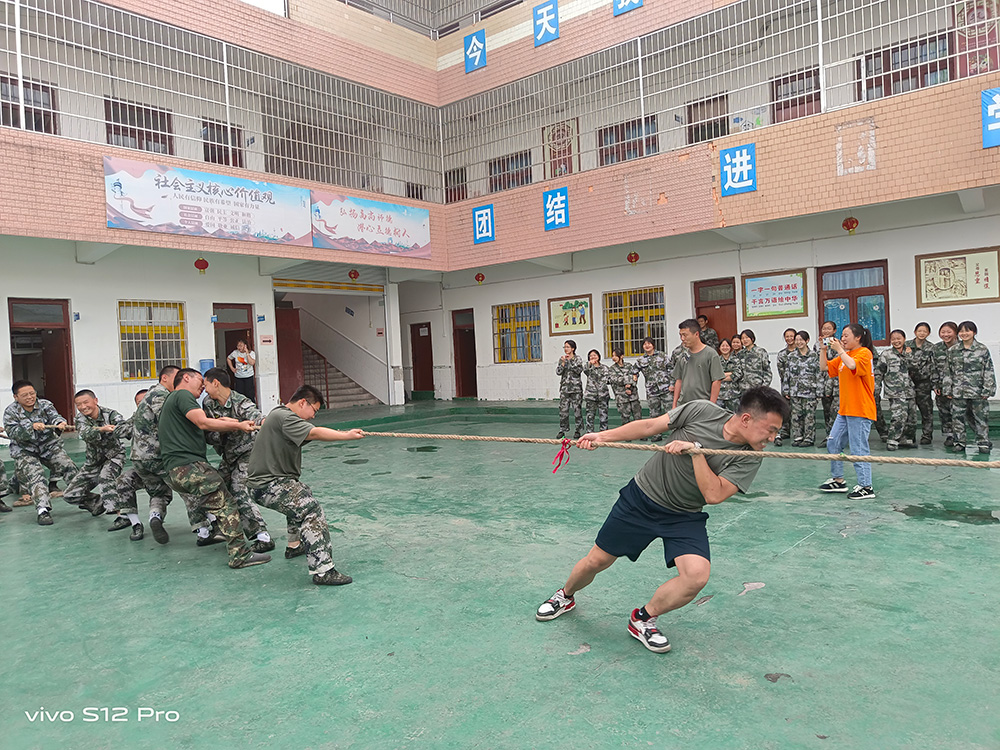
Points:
(716, 300)
(232, 322)
(423, 361)
(464, 333)
(41, 350)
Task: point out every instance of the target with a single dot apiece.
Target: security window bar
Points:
(632, 315)
(708, 119)
(906, 67)
(39, 106)
(455, 187)
(151, 335)
(136, 126)
(223, 144)
(511, 171)
(627, 140)
(795, 96)
(517, 333)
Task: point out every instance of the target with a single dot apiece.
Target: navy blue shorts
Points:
(635, 521)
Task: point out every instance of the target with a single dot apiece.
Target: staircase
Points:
(338, 390)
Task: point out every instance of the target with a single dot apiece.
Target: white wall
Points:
(48, 269)
(525, 282)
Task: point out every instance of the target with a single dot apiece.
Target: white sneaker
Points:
(557, 605)
(646, 633)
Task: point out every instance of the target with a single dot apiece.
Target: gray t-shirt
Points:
(277, 452)
(697, 373)
(668, 479)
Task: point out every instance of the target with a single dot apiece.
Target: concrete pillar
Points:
(394, 344)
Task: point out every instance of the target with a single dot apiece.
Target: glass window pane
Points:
(838, 312)
(716, 292)
(231, 315)
(37, 312)
(854, 278)
(871, 314)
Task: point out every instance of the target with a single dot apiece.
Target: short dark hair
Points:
(166, 370)
(949, 324)
(691, 324)
(923, 323)
(749, 334)
(19, 384)
(310, 394)
(763, 400)
(594, 351)
(140, 392)
(702, 317)
(900, 331)
(968, 325)
(182, 372)
(218, 375)
(650, 340)
(619, 351)
(571, 342)
(803, 334)
(84, 392)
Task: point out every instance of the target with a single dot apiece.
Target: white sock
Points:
(42, 510)
(155, 514)
(133, 518)
(203, 532)
(211, 517)
(263, 537)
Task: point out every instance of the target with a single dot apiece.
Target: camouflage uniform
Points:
(235, 447)
(941, 397)
(596, 396)
(782, 364)
(207, 490)
(622, 380)
(830, 397)
(570, 393)
(656, 369)
(892, 380)
(922, 373)
(731, 390)
(756, 367)
(105, 456)
(709, 337)
(306, 520)
(971, 382)
(35, 450)
(803, 376)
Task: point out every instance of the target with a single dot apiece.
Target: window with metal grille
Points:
(795, 95)
(414, 191)
(627, 140)
(39, 106)
(151, 335)
(222, 145)
(510, 171)
(632, 315)
(517, 332)
(455, 188)
(708, 119)
(905, 67)
(139, 127)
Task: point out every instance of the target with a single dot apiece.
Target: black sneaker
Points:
(248, 560)
(986, 448)
(958, 447)
(825, 441)
(646, 632)
(136, 534)
(203, 541)
(262, 547)
(561, 435)
(926, 440)
(777, 441)
(656, 439)
(861, 493)
(97, 508)
(159, 533)
(121, 522)
(291, 552)
(554, 606)
(4, 508)
(834, 485)
(949, 441)
(892, 445)
(44, 518)
(331, 578)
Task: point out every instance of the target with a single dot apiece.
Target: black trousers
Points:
(246, 386)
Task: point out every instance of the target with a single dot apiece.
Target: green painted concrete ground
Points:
(876, 626)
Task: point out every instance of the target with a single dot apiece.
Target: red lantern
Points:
(353, 275)
(850, 224)
(201, 264)
(480, 278)
(632, 257)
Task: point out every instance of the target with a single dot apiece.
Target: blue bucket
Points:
(205, 365)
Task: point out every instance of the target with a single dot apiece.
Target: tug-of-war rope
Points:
(565, 444)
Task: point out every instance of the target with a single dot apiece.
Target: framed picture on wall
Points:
(561, 142)
(780, 294)
(568, 315)
(962, 277)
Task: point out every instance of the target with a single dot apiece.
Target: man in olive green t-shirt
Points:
(273, 481)
(699, 375)
(183, 450)
(666, 497)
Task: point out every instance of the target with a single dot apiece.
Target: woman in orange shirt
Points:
(853, 367)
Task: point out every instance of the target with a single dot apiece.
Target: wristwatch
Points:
(698, 445)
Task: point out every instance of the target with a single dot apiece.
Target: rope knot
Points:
(562, 455)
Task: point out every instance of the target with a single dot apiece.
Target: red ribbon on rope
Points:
(562, 455)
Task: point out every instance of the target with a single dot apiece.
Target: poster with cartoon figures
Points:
(570, 315)
(957, 278)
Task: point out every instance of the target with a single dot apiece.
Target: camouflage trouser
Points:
(207, 489)
(629, 411)
(91, 475)
(902, 420)
(978, 412)
(569, 401)
(306, 520)
(234, 474)
(30, 471)
(659, 404)
(4, 488)
(786, 427)
(926, 407)
(831, 405)
(802, 425)
(144, 475)
(944, 414)
(596, 409)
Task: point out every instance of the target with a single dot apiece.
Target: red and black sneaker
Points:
(646, 633)
(555, 606)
